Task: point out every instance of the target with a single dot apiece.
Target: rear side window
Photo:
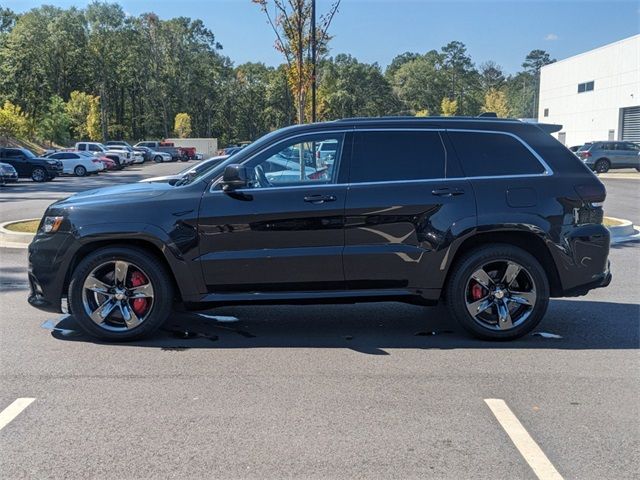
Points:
(493, 154)
(397, 155)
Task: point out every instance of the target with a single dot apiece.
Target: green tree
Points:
(94, 126)
(448, 107)
(420, 84)
(534, 61)
(349, 88)
(182, 125)
(54, 124)
(78, 107)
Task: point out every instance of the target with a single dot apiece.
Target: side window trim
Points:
(547, 169)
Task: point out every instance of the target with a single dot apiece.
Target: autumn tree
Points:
(496, 101)
(449, 107)
(291, 23)
(182, 125)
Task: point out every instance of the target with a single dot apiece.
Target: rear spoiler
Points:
(549, 127)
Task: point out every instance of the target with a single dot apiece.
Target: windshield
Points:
(584, 147)
(205, 168)
(27, 153)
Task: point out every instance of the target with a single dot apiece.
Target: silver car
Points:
(604, 156)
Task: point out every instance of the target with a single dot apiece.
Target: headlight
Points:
(51, 162)
(51, 224)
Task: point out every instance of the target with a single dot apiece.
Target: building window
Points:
(546, 112)
(585, 87)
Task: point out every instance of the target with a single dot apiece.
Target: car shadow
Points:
(376, 328)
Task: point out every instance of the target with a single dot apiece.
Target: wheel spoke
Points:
(142, 291)
(504, 317)
(523, 298)
(95, 285)
(482, 278)
(510, 273)
(121, 272)
(101, 313)
(479, 306)
(129, 316)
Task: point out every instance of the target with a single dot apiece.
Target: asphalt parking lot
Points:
(352, 391)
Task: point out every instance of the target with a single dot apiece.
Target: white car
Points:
(192, 170)
(99, 150)
(79, 164)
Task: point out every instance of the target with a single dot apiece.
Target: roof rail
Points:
(482, 117)
(488, 115)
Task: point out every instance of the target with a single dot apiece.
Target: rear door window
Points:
(485, 154)
(387, 156)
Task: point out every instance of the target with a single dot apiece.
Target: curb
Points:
(627, 232)
(10, 239)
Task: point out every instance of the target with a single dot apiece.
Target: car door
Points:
(18, 160)
(282, 232)
(402, 210)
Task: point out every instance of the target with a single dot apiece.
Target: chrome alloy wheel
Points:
(500, 295)
(118, 296)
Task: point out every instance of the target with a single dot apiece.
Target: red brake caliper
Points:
(139, 305)
(477, 291)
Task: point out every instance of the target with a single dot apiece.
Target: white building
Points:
(594, 95)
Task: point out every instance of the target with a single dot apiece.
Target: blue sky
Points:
(377, 30)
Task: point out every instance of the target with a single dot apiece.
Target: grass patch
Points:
(611, 222)
(30, 226)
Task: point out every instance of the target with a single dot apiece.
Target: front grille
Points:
(584, 215)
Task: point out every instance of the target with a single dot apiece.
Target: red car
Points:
(108, 163)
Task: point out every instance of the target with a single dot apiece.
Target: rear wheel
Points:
(602, 166)
(80, 171)
(498, 292)
(157, 159)
(120, 293)
(39, 175)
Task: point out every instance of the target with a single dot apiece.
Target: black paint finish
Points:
(337, 242)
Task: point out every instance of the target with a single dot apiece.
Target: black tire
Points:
(602, 166)
(39, 175)
(457, 292)
(80, 171)
(157, 159)
(152, 268)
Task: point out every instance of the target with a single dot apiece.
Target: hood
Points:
(120, 194)
(164, 178)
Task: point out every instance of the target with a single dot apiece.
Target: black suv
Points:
(492, 216)
(29, 166)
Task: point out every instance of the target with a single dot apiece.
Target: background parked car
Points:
(79, 164)
(112, 143)
(151, 154)
(603, 156)
(160, 147)
(126, 156)
(29, 166)
(109, 164)
(136, 157)
(8, 174)
(99, 150)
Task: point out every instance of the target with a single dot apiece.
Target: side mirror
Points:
(235, 176)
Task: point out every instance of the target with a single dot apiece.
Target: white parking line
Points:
(13, 410)
(527, 446)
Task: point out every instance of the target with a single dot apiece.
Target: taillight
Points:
(585, 154)
(591, 194)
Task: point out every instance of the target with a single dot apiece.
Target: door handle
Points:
(447, 192)
(317, 199)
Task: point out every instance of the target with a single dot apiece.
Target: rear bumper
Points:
(601, 281)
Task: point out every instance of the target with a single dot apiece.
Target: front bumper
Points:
(49, 257)
(8, 178)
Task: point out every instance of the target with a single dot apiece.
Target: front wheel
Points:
(39, 175)
(498, 292)
(120, 293)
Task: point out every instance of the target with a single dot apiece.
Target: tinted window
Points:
(391, 155)
(14, 153)
(491, 154)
